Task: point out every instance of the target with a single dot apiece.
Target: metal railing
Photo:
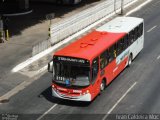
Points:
(41, 47)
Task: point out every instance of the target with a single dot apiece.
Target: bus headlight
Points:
(86, 92)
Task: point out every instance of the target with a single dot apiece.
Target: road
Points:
(135, 90)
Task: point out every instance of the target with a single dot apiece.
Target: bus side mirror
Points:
(50, 67)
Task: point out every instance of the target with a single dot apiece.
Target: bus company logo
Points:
(122, 56)
(68, 83)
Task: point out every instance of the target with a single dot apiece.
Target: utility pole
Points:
(115, 6)
(50, 17)
(122, 11)
(121, 7)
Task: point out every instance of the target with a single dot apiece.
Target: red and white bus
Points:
(82, 69)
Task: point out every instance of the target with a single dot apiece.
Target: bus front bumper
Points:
(85, 97)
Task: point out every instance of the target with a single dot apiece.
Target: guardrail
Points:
(69, 26)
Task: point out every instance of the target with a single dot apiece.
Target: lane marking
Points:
(137, 8)
(151, 28)
(158, 57)
(39, 118)
(114, 106)
(51, 49)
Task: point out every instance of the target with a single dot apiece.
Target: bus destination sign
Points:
(73, 60)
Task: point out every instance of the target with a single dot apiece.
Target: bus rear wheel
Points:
(130, 60)
(103, 85)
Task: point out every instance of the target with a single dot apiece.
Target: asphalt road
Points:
(141, 80)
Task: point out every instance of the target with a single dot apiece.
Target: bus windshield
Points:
(71, 75)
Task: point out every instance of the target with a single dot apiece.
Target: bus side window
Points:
(122, 44)
(131, 36)
(140, 29)
(118, 47)
(115, 50)
(112, 52)
(136, 33)
(104, 59)
(95, 69)
(129, 39)
(125, 41)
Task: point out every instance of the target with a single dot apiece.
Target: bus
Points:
(85, 67)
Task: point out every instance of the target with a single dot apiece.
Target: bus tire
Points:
(103, 85)
(130, 60)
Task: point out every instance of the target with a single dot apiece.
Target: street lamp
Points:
(121, 7)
